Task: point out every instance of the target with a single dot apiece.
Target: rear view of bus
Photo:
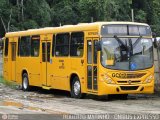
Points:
(126, 59)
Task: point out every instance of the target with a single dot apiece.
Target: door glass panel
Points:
(13, 52)
(43, 52)
(19, 40)
(48, 51)
(89, 74)
(53, 45)
(95, 78)
(6, 47)
(95, 52)
(89, 52)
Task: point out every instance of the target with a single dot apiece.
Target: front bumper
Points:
(105, 88)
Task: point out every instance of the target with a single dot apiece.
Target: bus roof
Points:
(66, 28)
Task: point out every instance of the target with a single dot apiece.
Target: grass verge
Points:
(8, 83)
(1, 79)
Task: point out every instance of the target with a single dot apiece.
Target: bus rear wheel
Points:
(25, 82)
(76, 88)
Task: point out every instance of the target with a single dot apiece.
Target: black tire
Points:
(74, 93)
(25, 82)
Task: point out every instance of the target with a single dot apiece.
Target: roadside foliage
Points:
(18, 15)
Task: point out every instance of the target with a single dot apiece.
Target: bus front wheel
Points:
(25, 82)
(76, 88)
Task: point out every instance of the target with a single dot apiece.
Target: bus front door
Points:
(13, 61)
(45, 62)
(92, 65)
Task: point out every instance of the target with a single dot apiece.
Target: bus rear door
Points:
(5, 60)
(46, 46)
(13, 61)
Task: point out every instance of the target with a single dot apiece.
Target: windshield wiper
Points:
(120, 42)
(137, 41)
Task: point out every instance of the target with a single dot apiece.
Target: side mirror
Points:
(155, 43)
(98, 44)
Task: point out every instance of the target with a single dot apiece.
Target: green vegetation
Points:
(1, 80)
(28, 14)
(8, 83)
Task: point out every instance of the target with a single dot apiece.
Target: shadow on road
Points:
(61, 94)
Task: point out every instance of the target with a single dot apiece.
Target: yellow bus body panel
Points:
(58, 71)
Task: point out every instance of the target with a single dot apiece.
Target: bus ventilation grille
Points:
(132, 81)
(129, 87)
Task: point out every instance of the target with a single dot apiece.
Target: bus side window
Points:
(6, 47)
(25, 46)
(62, 44)
(35, 44)
(77, 44)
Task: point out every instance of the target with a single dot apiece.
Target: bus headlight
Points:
(148, 79)
(109, 80)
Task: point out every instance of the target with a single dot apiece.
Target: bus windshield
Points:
(127, 53)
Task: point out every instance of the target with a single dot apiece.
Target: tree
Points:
(65, 12)
(91, 9)
(156, 17)
(118, 10)
(5, 16)
(39, 11)
(29, 14)
(140, 16)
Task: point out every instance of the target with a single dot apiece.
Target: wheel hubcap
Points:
(25, 83)
(77, 87)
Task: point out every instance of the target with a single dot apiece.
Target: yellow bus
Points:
(98, 58)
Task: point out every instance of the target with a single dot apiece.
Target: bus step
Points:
(46, 87)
